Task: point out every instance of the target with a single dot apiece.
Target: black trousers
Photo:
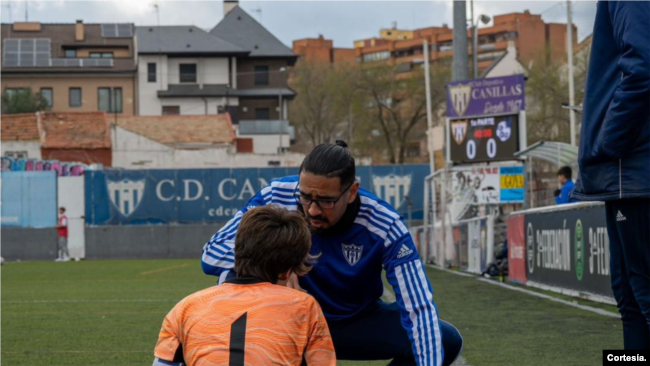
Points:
(628, 226)
(378, 334)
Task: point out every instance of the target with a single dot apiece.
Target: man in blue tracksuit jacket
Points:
(562, 195)
(614, 155)
(357, 235)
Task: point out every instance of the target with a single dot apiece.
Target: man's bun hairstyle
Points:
(331, 160)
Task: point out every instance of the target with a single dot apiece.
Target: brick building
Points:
(322, 50)
(75, 67)
(529, 33)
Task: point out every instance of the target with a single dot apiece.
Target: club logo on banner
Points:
(126, 195)
(460, 97)
(530, 248)
(392, 188)
(504, 131)
(580, 250)
(459, 130)
(352, 253)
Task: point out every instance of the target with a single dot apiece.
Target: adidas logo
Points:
(620, 217)
(404, 251)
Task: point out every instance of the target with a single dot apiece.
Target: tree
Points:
(22, 101)
(547, 89)
(396, 105)
(321, 110)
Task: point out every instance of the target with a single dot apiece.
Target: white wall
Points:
(210, 70)
(33, 148)
(196, 105)
(509, 65)
(148, 101)
(133, 151)
(267, 144)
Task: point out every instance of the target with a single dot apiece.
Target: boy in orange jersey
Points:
(253, 319)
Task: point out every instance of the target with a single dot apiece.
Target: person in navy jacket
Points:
(357, 236)
(614, 154)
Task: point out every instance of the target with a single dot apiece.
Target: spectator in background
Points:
(564, 176)
(62, 233)
(614, 155)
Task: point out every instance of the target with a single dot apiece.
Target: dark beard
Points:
(341, 226)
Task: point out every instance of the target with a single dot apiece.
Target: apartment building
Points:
(75, 67)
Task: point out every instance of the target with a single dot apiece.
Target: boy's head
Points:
(271, 243)
(61, 210)
(564, 175)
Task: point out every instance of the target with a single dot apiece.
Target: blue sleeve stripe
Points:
(375, 209)
(425, 311)
(230, 227)
(373, 222)
(426, 287)
(220, 258)
(280, 189)
(434, 312)
(431, 317)
(406, 295)
(375, 217)
(285, 202)
(218, 249)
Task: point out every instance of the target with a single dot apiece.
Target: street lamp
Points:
(485, 20)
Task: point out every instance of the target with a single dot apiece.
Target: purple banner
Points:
(485, 97)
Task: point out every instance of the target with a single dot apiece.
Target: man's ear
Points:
(354, 190)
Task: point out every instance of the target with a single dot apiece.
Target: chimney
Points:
(79, 31)
(228, 5)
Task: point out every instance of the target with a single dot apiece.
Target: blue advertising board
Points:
(180, 196)
(29, 199)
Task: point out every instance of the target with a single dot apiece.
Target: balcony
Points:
(266, 127)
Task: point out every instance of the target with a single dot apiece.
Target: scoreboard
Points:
(483, 139)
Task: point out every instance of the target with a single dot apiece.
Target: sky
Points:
(341, 21)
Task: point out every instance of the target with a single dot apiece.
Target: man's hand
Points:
(293, 283)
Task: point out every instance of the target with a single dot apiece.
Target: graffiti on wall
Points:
(62, 169)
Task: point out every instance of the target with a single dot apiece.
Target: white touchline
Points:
(533, 293)
(85, 301)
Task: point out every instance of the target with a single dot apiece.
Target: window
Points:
(101, 55)
(261, 75)
(172, 109)
(16, 154)
(188, 73)
(376, 56)
(110, 99)
(262, 113)
(10, 92)
(70, 53)
(75, 97)
(413, 151)
(151, 72)
(48, 95)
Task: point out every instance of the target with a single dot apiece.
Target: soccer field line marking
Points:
(85, 301)
(163, 269)
(533, 293)
(72, 351)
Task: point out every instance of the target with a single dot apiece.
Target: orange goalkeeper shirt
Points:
(246, 321)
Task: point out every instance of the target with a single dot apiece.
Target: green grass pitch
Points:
(109, 313)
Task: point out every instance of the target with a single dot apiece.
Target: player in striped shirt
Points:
(358, 235)
(253, 319)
